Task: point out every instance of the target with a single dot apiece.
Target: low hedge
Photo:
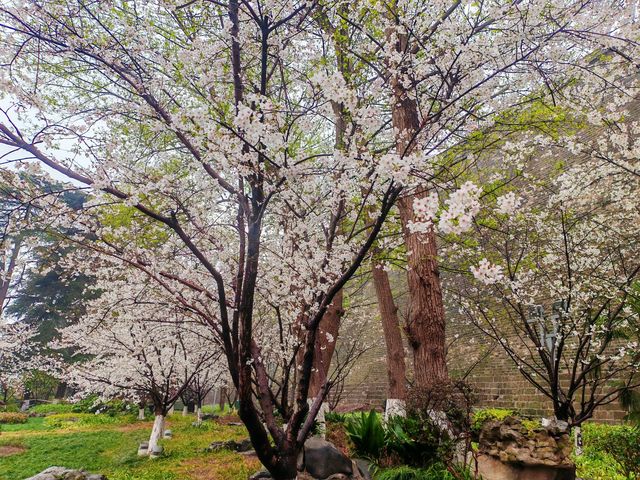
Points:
(13, 417)
(70, 420)
(51, 408)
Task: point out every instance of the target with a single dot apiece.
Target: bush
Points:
(51, 408)
(13, 417)
(452, 398)
(112, 408)
(620, 442)
(480, 417)
(367, 434)
(64, 420)
(437, 471)
(438, 417)
(335, 417)
(411, 441)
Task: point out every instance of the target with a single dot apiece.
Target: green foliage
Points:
(413, 441)
(437, 471)
(51, 408)
(619, 442)
(367, 434)
(597, 465)
(482, 416)
(335, 417)
(76, 420)
(94, 404)
(13, 417)
(40, 384)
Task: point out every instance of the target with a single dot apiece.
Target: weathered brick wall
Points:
(472, 356)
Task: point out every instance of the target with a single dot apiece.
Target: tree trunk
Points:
(141, 413)
(396, 368)
(185, 410)
(156, 432)
(325, 345)
(199, 414)
(425, 326)
(61, 390)
(222, 399)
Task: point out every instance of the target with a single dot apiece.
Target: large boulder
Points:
(513, 450)
(321, 459)
(62, 473)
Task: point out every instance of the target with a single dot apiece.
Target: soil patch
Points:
(218, 468)
(6, 450)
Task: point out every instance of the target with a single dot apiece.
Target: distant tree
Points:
(137, 346)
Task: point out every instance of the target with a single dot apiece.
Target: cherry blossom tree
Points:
(554, 266)
(214, 122)
(15, 350)
(140, 347)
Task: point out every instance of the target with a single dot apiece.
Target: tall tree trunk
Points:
(325, 345)
(396, 368)
(426, 320)
(425, 325)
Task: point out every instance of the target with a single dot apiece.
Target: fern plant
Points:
(367, 434)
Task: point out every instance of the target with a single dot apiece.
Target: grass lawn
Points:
(101, 444)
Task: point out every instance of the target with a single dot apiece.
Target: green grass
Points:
(110, 448)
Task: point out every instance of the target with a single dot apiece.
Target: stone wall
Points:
(471, 356)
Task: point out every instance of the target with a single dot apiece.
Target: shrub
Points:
(94, 404)
(438, 417)
(480, 417)
(452, 398)
(366, 433)
(64, 420)
(13, 417)
(414, 442)
(335, 417)
(51, 408)
(620, 442)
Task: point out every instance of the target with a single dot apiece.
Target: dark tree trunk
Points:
(325, 345)
(425, 326)
(61, 390)
(396, 368)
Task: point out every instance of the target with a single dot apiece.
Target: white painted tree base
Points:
(394, 407)
(577, 433)
(320, 417)
(185, 411)
(156, 432)
(141, 414)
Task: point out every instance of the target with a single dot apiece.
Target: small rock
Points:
(241, 446)
(62, 473)
(260, 475)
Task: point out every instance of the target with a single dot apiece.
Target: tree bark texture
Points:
(425, 326)
(396, 367)
(325, 345)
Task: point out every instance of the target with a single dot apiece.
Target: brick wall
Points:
(496, 380)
